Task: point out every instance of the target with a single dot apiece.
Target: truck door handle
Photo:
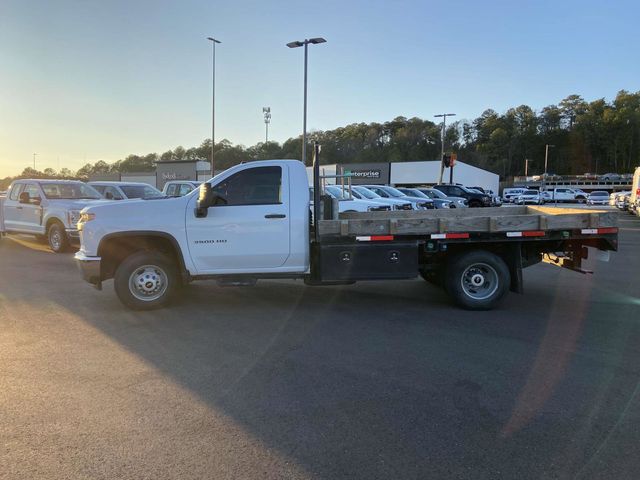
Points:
(275, 215)
(19, 208)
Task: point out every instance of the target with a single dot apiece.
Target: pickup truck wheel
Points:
(146, 280)
(475, 204)
(477, 280)
(57, 238)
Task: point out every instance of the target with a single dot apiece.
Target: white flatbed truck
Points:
(253, 222)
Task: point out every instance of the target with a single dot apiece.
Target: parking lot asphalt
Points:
(375, 380)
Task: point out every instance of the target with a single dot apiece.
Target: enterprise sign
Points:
(374, 174)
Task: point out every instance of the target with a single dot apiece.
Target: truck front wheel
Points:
(146, 280)
(57, 238)
(477, 280)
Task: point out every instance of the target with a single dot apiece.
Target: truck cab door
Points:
(248, 230)
(30, 212)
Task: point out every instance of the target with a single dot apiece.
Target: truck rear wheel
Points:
(146, 280)
(477, 280)
(57, 238)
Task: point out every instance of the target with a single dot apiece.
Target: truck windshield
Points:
(338, 192)
(68, 191)
(433, 193)
(366, 193)
(141, 191)
(394, 192)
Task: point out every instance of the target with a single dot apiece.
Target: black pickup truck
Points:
(475, 199)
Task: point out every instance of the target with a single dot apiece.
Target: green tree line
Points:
(597, 137)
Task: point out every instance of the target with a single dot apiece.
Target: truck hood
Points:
(71, 204)
(133, 206)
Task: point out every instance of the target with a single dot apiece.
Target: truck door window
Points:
(254, 186)
(171, 190)
(15, 191)
(184, 189)
(32, 190)
(113, 192)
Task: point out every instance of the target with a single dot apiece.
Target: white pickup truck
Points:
(568, 195)
(252, 221)
(48, 209)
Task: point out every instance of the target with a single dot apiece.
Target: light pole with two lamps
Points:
(305, 44)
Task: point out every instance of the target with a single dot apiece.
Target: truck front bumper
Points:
(90, 269)
(73, 235)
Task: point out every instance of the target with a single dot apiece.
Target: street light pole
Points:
(305, 44)
(213, 100)
(444, 127)
(546, 159)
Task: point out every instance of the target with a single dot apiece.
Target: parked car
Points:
(363, 193)
(510, 194)
(529, 197)
(475, 199)
(622, 200)
(391, 192)
(496, 201)
(599, 197)
(347, 203)
(546, 195)
(456, 202)
(49, 209)
(179, 188)
(415, 193)
(126, 190)
(611, 177)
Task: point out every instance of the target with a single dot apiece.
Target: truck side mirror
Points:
(206, 198)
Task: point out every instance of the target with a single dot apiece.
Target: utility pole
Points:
(267, 120)
(444, 130)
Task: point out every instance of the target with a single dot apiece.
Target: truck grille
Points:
(426, 205)
(381, 208)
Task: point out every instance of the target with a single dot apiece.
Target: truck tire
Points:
(475, 204)
(57, 238)
(477, 280)
(146, 280)
(581, 199)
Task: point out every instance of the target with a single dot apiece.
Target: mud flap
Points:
(514, 261)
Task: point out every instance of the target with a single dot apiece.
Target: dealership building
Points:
(379, 173)
(407, 174)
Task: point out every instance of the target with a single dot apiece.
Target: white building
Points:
(419, 173)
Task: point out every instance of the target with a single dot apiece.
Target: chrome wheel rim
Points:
(148, 283)
(55, 239)
(479, 281)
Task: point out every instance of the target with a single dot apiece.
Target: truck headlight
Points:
(84, 218)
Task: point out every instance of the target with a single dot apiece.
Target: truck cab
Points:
(48, 209)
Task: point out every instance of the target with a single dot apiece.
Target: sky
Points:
(82, 81)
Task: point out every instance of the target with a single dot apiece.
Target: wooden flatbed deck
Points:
(485, 220)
